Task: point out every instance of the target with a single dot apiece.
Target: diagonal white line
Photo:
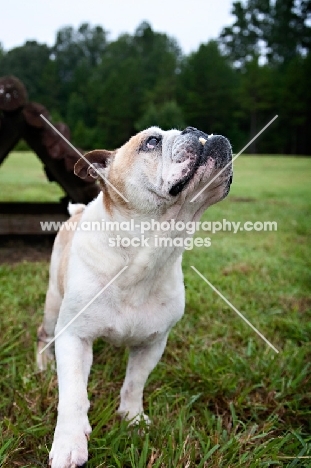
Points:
(84, 308)
(83, 157)
(235, 309)
(233, 159)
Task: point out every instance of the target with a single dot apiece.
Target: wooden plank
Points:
(25, 218)
(27, 224)
(19, 119)
(77, 189)
(34, 208)
(13, 94)
(12, 125)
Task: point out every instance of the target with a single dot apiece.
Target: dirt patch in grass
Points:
(242, 199)
(243, 268)
(300, 304)
(28, 248)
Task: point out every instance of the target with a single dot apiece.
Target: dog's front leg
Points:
(74, 359)
(142, 360)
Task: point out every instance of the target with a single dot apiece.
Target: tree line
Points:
(107, 90)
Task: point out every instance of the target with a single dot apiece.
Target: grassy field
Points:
(220, 397)
(22, 178)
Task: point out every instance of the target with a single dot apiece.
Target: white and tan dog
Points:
(158, 172)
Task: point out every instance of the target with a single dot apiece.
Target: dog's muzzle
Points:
(198, 147)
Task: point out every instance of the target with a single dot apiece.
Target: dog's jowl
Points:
(154, 176)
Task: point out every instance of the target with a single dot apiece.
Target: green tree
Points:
(159, 57)
(166, 116)
(257, 99)
(207, 91)
(83, 47)
(84, 137)
(275, 30)
(290, 30)
(28, 63)
(77, 53)
(269, 44)
(115, 96)
(135, 71)
(294, 101)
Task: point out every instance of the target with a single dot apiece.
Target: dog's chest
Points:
(128, 313)
(123, 323)
(145, 301)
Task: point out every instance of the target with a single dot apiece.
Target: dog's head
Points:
(157, 170)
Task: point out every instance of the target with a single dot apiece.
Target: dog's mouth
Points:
(198, 149)
(177, 188)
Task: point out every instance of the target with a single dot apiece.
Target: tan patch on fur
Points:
(121, 165)
(107, 200)
(65, 238)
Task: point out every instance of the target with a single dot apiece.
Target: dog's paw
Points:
(44, 361)
(69, 449)
(138, 419)
(46, 358)
(134, 418)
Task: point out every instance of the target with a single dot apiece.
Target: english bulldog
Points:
(131, 296)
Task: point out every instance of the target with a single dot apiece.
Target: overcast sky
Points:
(191, 22)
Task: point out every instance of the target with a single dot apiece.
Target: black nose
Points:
(188, 130)
(195, 131)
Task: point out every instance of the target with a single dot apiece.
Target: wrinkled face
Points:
(156, 170)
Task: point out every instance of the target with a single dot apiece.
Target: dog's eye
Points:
(152, 142)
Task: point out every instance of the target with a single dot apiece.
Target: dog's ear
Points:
(91, 162)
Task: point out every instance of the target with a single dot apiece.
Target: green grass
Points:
(22, 178)
(220, 397)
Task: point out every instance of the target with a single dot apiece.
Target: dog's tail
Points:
(75, 208)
